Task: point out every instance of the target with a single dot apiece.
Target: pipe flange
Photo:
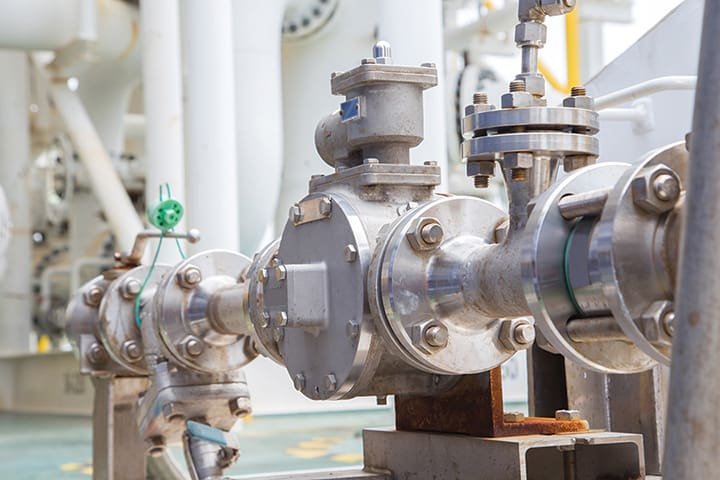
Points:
(257, 277)
(544, 277)
(559, 143)
(559, 119)
(180, 313)
(635, 246)
(417, 294)
(117, 325)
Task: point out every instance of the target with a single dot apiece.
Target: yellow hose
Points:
(552, 79)
(572, 41)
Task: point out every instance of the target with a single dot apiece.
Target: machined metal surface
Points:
(637, 253)
(545, 283)
(117, 324)
(417, 290)
(180, 313)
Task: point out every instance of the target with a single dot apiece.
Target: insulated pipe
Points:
(15, 284)
(209, 107)
(414, 28)
(162, 94)
(693, 425)
(259, 116)
(645, 89)
(106, 185)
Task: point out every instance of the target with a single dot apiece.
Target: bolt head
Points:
(262, 275)
(576, 162)
(93, 296)
(299, 382)
(567, 415)
(265, 319)
(436, 336)
(350, 253)
(132, 350)
(330, 382)
(295, 214)
(517, 100)
(193, 346)
(131, 288)
(518, 160)
(424, 233)
(668, 321)
(353, 328)
(280, 273)
(582, 101)
(281, 319)
(325, 206)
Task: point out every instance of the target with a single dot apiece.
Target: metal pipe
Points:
(15, 284)
(693, 426)
(162, 94)
(106, 184)
(209, 107)
(595, 329)
(39, 24)
(645, 89)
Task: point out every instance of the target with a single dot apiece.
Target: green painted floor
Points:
(35, 447)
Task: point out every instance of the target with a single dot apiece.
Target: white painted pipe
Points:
(162, 93)
(15, 286)
(414, 28)
(38, 24)
(106, 185)
(645, 89)
(259, 115)
(209, 109)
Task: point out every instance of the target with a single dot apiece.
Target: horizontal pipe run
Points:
(645, 89)
(597, 329)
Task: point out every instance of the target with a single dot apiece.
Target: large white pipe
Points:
(259, 115)
(39, 24)
(162, 93)
(15, 284)
(414, 28)
(209, 109)
(105, 182)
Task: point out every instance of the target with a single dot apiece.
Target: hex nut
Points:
(481, 167)
(239, 407)
(513, 417)
(429, 336)
(653, 322)
(567, 415)
(576, 162)
(96, 354)
(530, 33)
(262, 275)
(515, 334)
(517, 100)
(353, 328)
(583, 101)
(518, 160)
(415, 233)
(645, 192)
(350, 253)
(478, 108)
(189, 277)
(93, 296)
(535, 85)
(280, 273)
(295, 214)
(278, 334)
(281, 319)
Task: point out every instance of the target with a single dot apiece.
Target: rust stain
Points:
(694, 319)
(474, 406)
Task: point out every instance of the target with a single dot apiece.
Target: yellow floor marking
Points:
(347, 458)
(316, 444)
(306, 453)
(87, 470)
(70, 467)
